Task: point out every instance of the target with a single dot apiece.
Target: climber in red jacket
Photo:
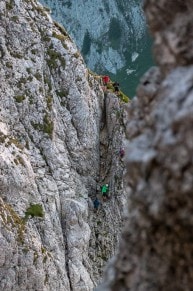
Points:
(106, 80)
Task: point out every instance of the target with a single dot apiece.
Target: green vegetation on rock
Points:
(121, 95)
(19, 98)
(34, 210)
(11, 220)
(54, 56)
(48, 125)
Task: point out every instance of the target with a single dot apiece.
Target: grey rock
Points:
(54, 153)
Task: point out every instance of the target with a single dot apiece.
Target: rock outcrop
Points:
(156, 249)
(59, 141)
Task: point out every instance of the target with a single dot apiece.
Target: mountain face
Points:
(111, 35)
(156, 250)
(60, 138)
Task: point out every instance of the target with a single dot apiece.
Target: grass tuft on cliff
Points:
(34, 210)
(121, 95)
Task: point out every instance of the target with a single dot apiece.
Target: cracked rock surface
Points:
(59, 141)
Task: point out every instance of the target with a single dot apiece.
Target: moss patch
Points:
(2, 137)
(15, 142)
(49, 102)
(48, 125)
(121, 95)
(38, 76)
(60, 36)
(76, 55)
(62, 93)
(54, 56)
(34, 51)
(19, 98)
(15, 18)
(9, 65)
(45, 38)
(36, 126)
(34, 210)
(16, 55)
(61, 28)
(9, 5)
(11, 220)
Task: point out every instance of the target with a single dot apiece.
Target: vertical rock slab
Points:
(156, 249)
(50, 157)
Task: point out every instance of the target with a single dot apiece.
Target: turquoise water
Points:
(134, 40)
(137, 41)
(143, 62)
(111, 35)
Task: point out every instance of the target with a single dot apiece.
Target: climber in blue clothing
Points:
(96, 204)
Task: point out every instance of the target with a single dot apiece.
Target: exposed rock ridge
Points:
(156, 250)
(54, 143)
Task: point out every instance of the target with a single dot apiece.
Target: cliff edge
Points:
(59, 142)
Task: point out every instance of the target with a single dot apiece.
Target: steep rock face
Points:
(58, 134)
(156, 248)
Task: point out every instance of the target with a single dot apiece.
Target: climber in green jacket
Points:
(104, 191)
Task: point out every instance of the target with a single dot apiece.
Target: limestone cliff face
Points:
(59, 141)
(156, 250)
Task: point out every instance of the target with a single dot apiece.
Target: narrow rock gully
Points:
(107, 221)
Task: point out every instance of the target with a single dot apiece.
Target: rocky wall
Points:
(156, 249)
(50, 157)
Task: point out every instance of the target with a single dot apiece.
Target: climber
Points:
(116, 87)
(96, 204)
(104, 191)
(122, 152)
(106, 80)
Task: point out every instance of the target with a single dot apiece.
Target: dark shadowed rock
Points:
(172, 28)
(156, 251)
